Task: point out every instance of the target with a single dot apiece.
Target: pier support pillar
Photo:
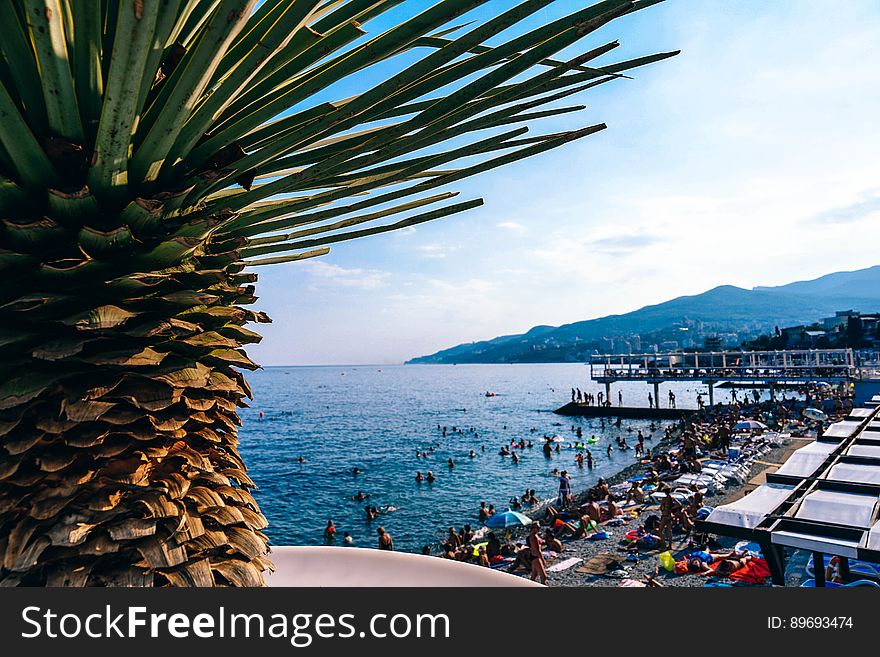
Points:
(711, 394)
(656, 395)
(607, 391)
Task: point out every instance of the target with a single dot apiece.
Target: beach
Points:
(643, 567)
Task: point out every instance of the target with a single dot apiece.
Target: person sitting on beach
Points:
(635, 494)
(585, 526)
(482, 558)
(514, 503)
(385, 540)
(454, 539)
(522, 559)
(592, 511)
(552, 543)
(611, 510)
(493, 546)
(467, 534)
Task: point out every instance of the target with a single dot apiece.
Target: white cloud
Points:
(512, 226)
(325, 273)
(436, 250)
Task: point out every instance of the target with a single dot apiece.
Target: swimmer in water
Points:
(450, 463)
(419, 476)
(347, 539)
(514, 458)
(430, 477)
(472, 454)
(360, 497)
(301, 459)
(262, 415)
(356, 471)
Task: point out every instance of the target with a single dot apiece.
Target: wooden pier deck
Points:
(573, 409)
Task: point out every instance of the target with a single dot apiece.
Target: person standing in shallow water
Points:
(330, 532)
(385, 540)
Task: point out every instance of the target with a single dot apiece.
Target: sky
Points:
(749, 159)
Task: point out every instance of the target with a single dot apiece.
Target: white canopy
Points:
(861, 412)
(871, 451)
(748, 511)
(806, 460)
(839, 546)
(830, 506)
(842, 429)
(855, 472)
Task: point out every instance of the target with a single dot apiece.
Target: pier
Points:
(741, 369)
(573, 409)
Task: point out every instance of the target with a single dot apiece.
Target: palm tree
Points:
(152, 153)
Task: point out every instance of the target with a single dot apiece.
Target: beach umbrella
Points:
(508, 519)
(749, 425)
(814, 414)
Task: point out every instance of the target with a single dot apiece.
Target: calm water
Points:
(376, 417)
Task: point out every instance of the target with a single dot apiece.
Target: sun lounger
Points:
(856, 567)
(811, 583)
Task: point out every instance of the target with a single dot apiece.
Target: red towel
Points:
(754, 572)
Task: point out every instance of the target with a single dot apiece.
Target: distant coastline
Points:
(728, 315)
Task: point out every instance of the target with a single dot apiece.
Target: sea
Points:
(376, 418)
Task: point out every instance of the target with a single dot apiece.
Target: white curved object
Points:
(303, 566)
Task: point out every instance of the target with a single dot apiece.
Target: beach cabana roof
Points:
(806, 460)
(843, 429)
(824, 498)
(748, 511)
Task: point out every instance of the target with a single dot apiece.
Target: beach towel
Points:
(564, 565)
(598, 565)
(634, 583)
(754, 572)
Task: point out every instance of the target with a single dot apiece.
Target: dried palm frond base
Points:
(119, 465)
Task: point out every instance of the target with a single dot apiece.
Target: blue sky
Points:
(749, 159)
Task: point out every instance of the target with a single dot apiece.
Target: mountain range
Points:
(724, 309)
